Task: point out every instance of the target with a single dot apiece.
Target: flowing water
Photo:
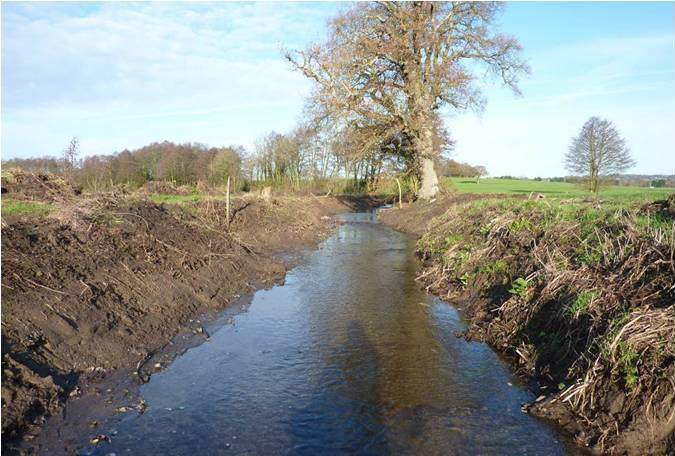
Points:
(348, 356)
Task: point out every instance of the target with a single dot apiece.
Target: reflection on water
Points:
(349, 356)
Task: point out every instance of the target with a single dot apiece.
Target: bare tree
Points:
(70, 157)
(599, 150)
(391, 65)
(480, 172)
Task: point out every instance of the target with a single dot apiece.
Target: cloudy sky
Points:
(121, 75)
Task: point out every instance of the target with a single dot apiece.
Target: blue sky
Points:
(121, 75)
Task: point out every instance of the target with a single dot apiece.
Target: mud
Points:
(662, 208)
(106, 281)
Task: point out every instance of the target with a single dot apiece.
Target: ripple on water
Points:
(349, 356)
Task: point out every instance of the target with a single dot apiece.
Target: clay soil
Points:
(105, 280)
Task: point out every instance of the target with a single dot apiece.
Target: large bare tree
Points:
(391, 65)
(599, 150)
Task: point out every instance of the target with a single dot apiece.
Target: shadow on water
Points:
(354, 414)
(350, 356)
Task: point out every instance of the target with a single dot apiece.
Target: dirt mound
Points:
(23, 185)
(163, 188)
(661, 208)
(78, 302)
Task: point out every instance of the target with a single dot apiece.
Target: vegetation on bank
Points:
(580, 294)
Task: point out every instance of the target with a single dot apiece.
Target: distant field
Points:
(556, 189)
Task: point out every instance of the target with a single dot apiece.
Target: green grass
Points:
(628, 364)
(555, 189)
(177, 199)
(520, 287)
(28, 208)
(582, 303)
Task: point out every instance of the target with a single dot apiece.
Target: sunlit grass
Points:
(556, 189)
(177, 199)
(12, 207)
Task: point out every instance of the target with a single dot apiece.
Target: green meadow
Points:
(555, 189)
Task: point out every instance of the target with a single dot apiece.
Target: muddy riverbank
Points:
(348, 356)
(578, 298)
(102, 281)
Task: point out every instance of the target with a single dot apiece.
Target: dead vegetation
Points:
(45, 187)
(164, 188)
(580, 297)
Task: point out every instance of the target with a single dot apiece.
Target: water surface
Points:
(350, 356)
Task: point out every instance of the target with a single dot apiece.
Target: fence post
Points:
(227, 202)
(400, 196)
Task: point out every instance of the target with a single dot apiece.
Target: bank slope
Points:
(579, 296)
(92, 283)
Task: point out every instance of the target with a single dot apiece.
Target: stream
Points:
(349, 356)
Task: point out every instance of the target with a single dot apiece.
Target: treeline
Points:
(179, 164)
(306, 159)
(622, 180)
(317, 156)
(325, 155)
(318, 159)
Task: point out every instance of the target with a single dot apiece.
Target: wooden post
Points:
(227, 202)
(400, 195)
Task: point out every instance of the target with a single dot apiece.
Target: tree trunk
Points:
(429, 186)
(400, 194)
(227, 202)
(425, 151)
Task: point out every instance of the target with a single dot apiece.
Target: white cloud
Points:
(67, 74)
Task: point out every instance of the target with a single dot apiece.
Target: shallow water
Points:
(349, 356)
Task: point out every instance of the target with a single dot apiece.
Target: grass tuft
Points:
(582, 303)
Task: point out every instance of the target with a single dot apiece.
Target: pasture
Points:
(555, 189)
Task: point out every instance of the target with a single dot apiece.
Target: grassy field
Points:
(555, 189)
